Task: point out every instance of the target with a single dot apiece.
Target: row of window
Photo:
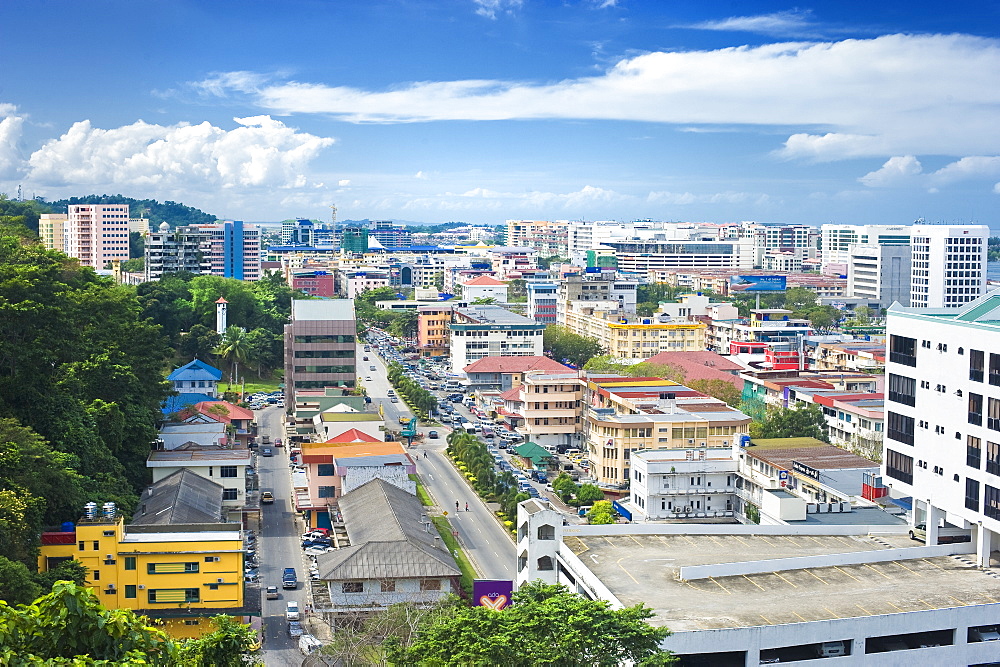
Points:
(326, 369)
(388, 586)
(325, 339)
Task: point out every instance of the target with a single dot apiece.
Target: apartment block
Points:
(551, 405)
(879, 273)
(477, 332)
(948, 265)
(543, 301)
(632, 337)
(433, 333)
(548, 237)
(320, 345)
(836, 241)
(52, 229)
(96, 234)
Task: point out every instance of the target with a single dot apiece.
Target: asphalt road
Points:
(485, 541)
(279, 546)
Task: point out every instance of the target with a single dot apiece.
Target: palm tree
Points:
(234, 349)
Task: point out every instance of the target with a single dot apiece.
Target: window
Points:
(973, 451)
(972, 494)
(227, 471)
(899, 466)
(900, 428)
(993, 414)
(546, 532)
(230, 494)
(902, 389)
(992, 458)
(327, 491)
(175, 595)
(976, 360)
(170, 568)
(82, 545)
(325, 470)
(129, 562)
(96, 576)
(903, 350)
(97, 545)
(388, 585)
(976, 409)
(991, 502)
(324, 339)
(430, 584)
(994, 369)
(129, 591)
(352, 587)
(545, 563)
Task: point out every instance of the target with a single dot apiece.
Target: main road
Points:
(487, 544)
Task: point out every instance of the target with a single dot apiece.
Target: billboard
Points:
(492, 593)
(757, 283)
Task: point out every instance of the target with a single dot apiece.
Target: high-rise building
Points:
(354, 240)
(228, 249)
(942, 439)
(879, 273)
(51, 230)
(491, 331)
(390, 235)
(170, 251)
(948, 264)
(97, 234)
(320, 345)
(836, 241)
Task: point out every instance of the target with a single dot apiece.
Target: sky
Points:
(487, 110)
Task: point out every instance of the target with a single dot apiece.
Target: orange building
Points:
(432, 329)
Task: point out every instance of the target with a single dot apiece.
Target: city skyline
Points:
(485, 110)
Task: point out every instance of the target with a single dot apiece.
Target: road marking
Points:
(934, 564)
(907, 569)
(877, 571)
(818, 577)
(928, 604)
(868, 613)
(895, 606)
(727, 591)
(839, 569)
(754, 582)
(833, 613)
(785, 580)
(766, 619)
(804, 619)
(619, 563)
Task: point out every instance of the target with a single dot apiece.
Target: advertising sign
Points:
(757, 283)
(492, 593)
(808, 471)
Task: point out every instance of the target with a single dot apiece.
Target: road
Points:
(279, 546)
(486, 543)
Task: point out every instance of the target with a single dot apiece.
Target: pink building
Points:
(316, 283)
(96, 234)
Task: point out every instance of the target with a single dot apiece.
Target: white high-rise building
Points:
(942, 439)
(879, 273)
(836, 240)
(948, 264)
(97, 234)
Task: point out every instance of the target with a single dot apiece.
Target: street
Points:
(486, 543)
(279, 545)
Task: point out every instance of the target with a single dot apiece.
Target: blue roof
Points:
(177, 403)
(195, 370)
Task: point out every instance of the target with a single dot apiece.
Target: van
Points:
(831, 649)
(469, 426)
(987, 633)
(570, 453)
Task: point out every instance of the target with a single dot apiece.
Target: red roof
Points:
(231, 411)
(484, 281)
(353, 435)
(512, 394)
(221, 300)
(514, 365)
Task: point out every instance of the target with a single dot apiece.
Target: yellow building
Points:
(628, 336)
(51, 231)
(177, 561)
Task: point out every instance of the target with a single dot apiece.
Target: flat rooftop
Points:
(322, 309)
(644, 568)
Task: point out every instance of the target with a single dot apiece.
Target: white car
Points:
(292, 611)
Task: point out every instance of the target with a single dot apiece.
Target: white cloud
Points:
(420, 175)
(490, 8)
(901, 170)
(11, 126)
(892, 95)
(779, 23)
(975, 166)
(344, 182)
(686, 198)
(260, 152)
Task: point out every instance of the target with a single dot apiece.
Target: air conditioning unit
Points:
(111, 587)
(142, 587)
(221, 580)
(216, 559)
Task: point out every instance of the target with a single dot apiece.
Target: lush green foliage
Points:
(231, 644)
(601, 512)
(170, 212)
(649, 297)
(802, 422)
(21, 213)
(500, 487)
(718, 388)
(575, 494)
(545, 625)
(567, 347)
(402, 323)
(421, 400)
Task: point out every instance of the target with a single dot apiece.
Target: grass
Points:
(444, 529)
(425, 498)
(256, 385)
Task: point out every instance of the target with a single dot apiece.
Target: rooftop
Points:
(322, 309)
(484, 281)
(514, 365)
(645, 568)
(489, 314)
(195, 370)
(180, 498)
(203, 456)
(780, 452)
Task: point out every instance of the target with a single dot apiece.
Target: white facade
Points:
(490, 331)
(836, 240)
(678, 483)
(97, 234)
(942, 438)
(879, 273)
(484, 287)
(948, 265)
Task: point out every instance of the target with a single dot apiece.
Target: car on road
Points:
(266, 451)
(365, 358)
(393, 399)
(289, 579)
(271, 593)
(433, 435)
(266, 498)
(371, 368)
(292, 611)
(295, 629)
(368, 379)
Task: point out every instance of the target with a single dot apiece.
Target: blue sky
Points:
(486, 110)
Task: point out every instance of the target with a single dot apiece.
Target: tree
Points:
(17, 586)
(801, 422)
(601, 512)
(70, 623)
(567, 347)
(265, 351)
(133, 265)
(484, 301)
(544, 625)
(717, 388)
(199, 342)
(405, 324)
(605, 363)
(231, 644)
(824, 318)
(589, 493)
(800, 300)
(136, 246)
(234, 348)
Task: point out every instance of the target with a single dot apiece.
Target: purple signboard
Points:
(492, 593)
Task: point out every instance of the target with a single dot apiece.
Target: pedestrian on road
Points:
(456, 505)
(466, 507)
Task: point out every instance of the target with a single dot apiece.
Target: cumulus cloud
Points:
(260, 152)
(898, 170)
(344, 182)
(685, 198)
(972, 167)
(490, 8)
(11, 126)
(891, 95)
(780, 24)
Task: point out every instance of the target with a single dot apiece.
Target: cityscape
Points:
(500, 332)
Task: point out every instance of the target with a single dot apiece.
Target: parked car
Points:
(272, 593)
(289, 579)
(292, 611)
(266, 498)
(295, 629)
(266, 451)
(433, 435)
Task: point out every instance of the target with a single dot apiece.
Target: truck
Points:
(946, 534)
(289, 579)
